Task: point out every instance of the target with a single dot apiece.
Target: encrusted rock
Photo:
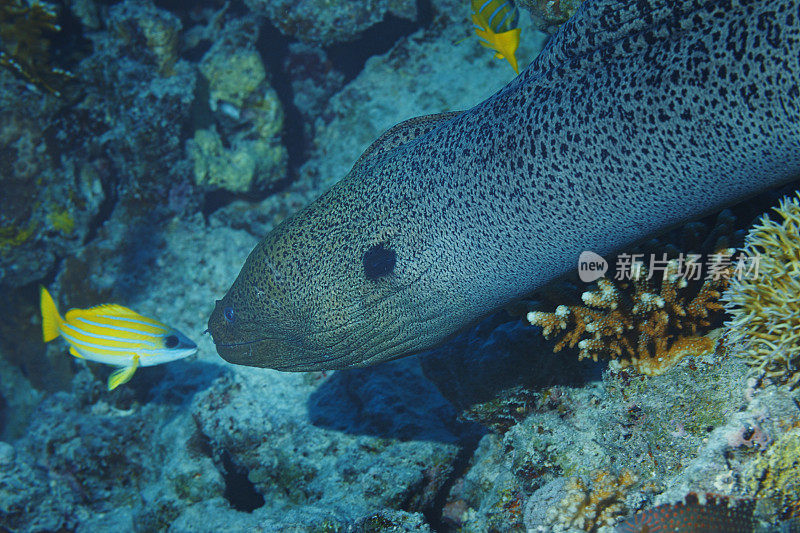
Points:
(7, 454)
(324, 22)
(242, 151)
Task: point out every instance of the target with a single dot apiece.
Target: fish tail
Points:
(51, 320)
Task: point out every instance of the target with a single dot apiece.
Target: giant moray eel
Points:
(638, 115)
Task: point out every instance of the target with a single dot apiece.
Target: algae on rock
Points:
(157, 28)
(242, 151)
(248, 165)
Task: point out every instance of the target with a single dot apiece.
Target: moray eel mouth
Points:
(242, 353)
(237, 352)
(284, 345)
(244, 341)
(352, 336)
(255, 352)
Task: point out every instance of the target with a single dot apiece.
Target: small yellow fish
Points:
(495, 23)
(114, 335)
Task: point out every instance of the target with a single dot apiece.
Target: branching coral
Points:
(765, 308)
(636, 324)
(592, 508)
(24, 48)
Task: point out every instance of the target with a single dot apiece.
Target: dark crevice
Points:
(349, 58)
(216, 199)
(424, 13)
(274, 49)
(199, 442)
(200, 114)
(48, 279)
(239, 490)
(195, 54)
(433, 514)
(3, 407)
(69, 45)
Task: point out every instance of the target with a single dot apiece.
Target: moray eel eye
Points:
(379, 261)
(230, 316)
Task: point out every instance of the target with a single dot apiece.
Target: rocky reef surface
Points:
(184, 135)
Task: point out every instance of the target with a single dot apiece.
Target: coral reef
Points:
(325, 22)
(350, 461)
(242, 151)
(775, 477)
(93, 455)
(486, 498)
(43, 216)
(157, 29)
(550, 14)
(133, 120)
(100, 197)
(715, 513)
(65, 162)
(672, 431)
(595, 507)
(25, 46)
(765, 323)
(233, 67)
(636, 324)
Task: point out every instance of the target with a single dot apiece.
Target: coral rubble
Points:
(109, 191)
(765, 308)
(636, 324)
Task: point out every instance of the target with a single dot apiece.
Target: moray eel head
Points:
(337, 285)
(266, 319)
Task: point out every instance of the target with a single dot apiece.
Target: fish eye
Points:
(171, 341)
(229, 315)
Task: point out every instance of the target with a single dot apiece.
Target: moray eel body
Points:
(639, 115)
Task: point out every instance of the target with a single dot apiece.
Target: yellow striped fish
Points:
(495, 23)
(114, 335)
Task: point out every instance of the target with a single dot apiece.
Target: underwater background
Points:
(147, 146)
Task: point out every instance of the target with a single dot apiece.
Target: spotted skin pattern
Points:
(716, 513)
(639, 115)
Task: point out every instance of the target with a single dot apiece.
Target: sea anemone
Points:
(765, 304)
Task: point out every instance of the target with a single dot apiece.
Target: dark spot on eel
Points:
(379, 261)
